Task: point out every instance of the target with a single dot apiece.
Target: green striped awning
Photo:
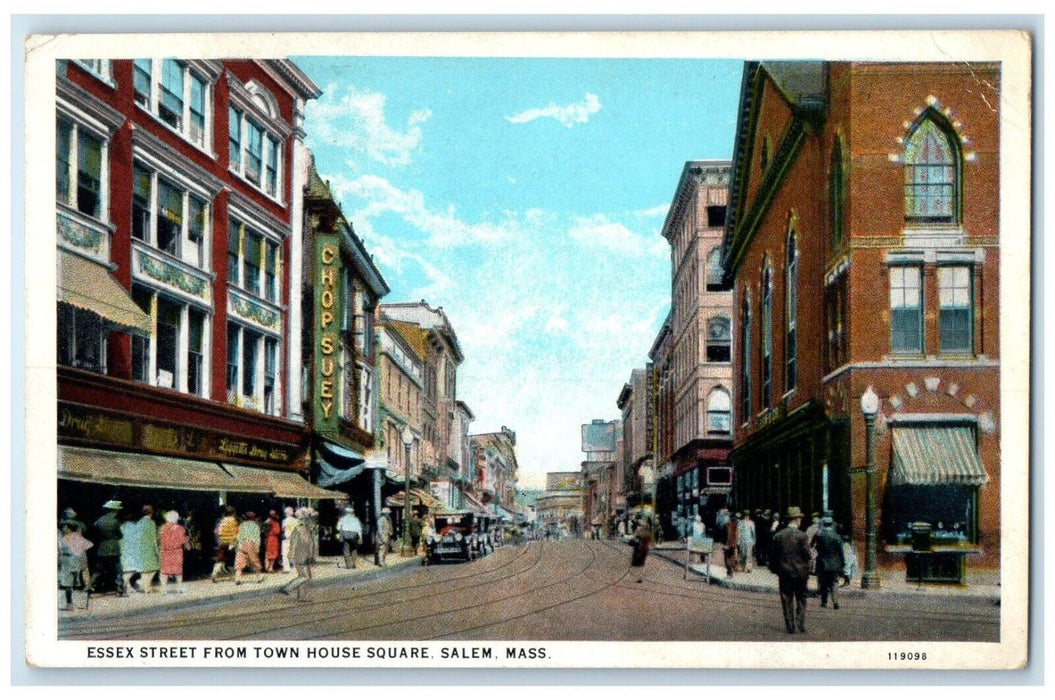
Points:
(931, 456)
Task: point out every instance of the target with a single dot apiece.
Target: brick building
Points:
(862, 245)
(178, 195)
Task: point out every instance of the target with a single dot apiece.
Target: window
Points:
(253, 371)
(174, 356)
(955, 304)
(79, 172)
(714, 269)
(81, 339)
(791, 301)
(254, 153)
(716, 216)
(718, 412)
(906, 310)
(745, 357)
(931, 173)
(174, 220)
(173, 92)
(836, 296)
(719, 339)
(767, 336)
(254, 262)
(98, 66)
(837, 193)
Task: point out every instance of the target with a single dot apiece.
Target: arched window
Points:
(719, 411)
(719, 339)
(837, 191)
(767, 335)
(714, 269)
(932, 169)
(791, 298)
(745, 358)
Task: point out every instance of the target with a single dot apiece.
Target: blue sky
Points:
(526, 197)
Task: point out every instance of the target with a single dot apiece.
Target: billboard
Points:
(599, 436)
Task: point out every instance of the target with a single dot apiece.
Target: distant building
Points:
(559, 508)
(862, 245)
(497, 470)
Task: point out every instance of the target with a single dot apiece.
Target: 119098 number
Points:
(907, 656)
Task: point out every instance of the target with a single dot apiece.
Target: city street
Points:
(547, 590)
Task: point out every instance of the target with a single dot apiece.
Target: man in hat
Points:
(382, 534)
(350, 531)
(288, 524)
(829, 548)
(108, 554)
(247, 554)
(789, 559)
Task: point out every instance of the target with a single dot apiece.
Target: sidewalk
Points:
(325, 571)
(983, 584)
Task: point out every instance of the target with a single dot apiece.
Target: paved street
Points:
(568, 590)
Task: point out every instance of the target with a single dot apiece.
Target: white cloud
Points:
(568, 115)
(356, 119)
(598, 231)
(660, 210)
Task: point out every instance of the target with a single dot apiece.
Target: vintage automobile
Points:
(453, 537)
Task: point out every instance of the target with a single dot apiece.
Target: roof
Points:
(415, 337)
(432, 319)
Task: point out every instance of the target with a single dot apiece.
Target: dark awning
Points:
(930, 456)
(338, 465)
(146, 471)
(88, 285)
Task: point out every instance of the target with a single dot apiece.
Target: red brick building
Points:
(179, 191)
(862, 245)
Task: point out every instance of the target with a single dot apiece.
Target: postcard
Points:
(528, 350)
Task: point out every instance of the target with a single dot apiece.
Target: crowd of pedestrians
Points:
(133, 555)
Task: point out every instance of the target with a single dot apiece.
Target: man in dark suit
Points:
(829, 548)
(789, 559)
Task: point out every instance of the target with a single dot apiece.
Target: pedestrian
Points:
(789, 559)
(350, 530)
(849, 560)
(108, 535)
(815, 526)
(698, 533)
(763, 528)
(226, 541)
(621, 529)
(73, 560)
(272, 541)
(69, 515)
(140, 555)
(830, 562)
(721, 522)
(732, 544)
(69, 518)
(382, 535)
(247, 555)
(746, 541)
(288, 523)
(174, 542)
(415, 532)
(428, 534)
(301, 554)
(642, 541)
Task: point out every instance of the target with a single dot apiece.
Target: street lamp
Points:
(408, 440)
(870, 409)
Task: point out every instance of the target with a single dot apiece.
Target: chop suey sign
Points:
(328, 315)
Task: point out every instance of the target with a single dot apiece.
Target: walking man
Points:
(108, 555)
(789, 559)
(301, 554)
(382, 534)
(351, 532)
(830, 562)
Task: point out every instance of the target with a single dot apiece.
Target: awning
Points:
(417, 497)
(338, 465)
(90, 286)
(929, 456)
(475, 505)
(284, 484)
(148, 471)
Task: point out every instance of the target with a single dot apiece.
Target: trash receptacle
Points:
(921, 540)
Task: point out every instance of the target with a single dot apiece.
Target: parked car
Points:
(453, 538)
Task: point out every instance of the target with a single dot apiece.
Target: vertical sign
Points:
(650, 408)
(328, 306)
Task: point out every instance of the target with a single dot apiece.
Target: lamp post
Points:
(870, 409)
(408, 440)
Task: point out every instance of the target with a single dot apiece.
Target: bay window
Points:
(173, 357)
(253, 369)
(254, 261)
(254, 153)
(168, 216)
(175, 94)
(79, 168)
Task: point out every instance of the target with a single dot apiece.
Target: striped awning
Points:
(930, 456)
(146, 471)
(90, 286)
(284, 484)
(418, 497)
